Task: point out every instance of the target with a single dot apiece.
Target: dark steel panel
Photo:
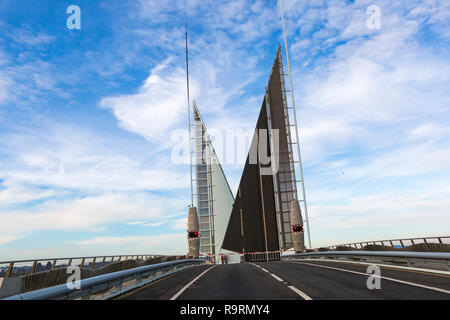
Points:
(280, 120)
(248, 216)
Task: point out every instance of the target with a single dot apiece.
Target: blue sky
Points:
(86, 116)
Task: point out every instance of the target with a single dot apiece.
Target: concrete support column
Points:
(298, 236)
(193, 233)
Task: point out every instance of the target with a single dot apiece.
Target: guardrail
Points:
(401, 243)
(393, 257)
(30, 266)
(108, 285)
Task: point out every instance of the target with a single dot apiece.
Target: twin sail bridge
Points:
(266, 214)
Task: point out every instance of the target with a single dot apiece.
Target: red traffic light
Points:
(296, 228)
(193, 234)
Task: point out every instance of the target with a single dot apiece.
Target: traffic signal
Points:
(296, 228)
(192, 234)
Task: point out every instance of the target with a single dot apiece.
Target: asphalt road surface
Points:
(300, 280)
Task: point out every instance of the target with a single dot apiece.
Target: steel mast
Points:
(296, 129)
(189, 113)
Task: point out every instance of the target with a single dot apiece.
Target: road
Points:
(281, 280)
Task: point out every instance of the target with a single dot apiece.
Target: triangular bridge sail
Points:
(260, 218)
(213, 194)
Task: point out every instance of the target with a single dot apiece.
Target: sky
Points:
(88, 116)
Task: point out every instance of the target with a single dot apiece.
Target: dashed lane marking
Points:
(190, 283)
(300, 293)
(276, 277)
(296, 290)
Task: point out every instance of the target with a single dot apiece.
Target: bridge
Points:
(301, 279)
(349, 273)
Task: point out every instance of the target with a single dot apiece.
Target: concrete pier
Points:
(298, 235)
(193, 233)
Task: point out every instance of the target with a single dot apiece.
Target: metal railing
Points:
(400, 243)
(421, 259)
(261, 256)
(30, 266)
(109, 285)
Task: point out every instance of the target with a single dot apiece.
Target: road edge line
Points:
(388, 266)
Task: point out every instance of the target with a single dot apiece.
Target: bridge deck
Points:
(293, 280)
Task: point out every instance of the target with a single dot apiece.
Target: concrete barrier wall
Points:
(48, 279)
(9, 287)
(58, 276)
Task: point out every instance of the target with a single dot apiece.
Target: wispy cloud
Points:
(158, 244)
(146, 113)
(30, 37)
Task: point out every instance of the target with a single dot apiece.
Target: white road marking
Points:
(260, 267)
(297, 291)
(300, 293)
(388, 266)
(386, 278)
(190, 283)
(276, 277)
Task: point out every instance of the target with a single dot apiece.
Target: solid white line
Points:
(276, 277)
(386, 278)
(300, 293)
(190, 283)
(389, 266)
(264, 269)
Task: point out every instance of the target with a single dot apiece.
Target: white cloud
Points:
(157, 106)
(429, 131)
(386, 79)
(5, 87)
(86, 161)
(163, 244)
(16, 194)
(29, 37)
(93, 213)
(155, 244)
(33, 79)
(415, 213)
(134, 222)
(6, 239)
(51, 183)
(180, 224)
(153, 224)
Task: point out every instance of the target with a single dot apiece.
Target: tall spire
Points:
(189, 112)
(296, 128)
(193, 223)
